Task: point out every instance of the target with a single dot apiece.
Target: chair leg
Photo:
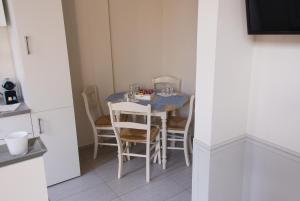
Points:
(147, 169)
(95, 147)
(159, 150)
(148, 163)
(155, 157)
(128, 150)
(120, 169)
(186, 151)
(190, 144)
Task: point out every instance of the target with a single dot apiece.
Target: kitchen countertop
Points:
(36, 148)
(23, 109)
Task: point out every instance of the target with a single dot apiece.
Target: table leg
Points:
(164, 140)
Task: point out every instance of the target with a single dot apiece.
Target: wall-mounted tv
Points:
(273, 16)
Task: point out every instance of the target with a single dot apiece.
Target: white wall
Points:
(226, 59)
(88, 38)
(205, 68)
(224, 56)
(152, 38)
(225, 63)
(232, 72)
(6, 62)
(223, 71)
(136, 41)
(275, 95)
(179, 41)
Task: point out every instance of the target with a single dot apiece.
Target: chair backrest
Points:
(92, 104)
(191, 111)
(167, 81)
(116, 109)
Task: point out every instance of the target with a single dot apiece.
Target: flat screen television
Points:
(273, 16)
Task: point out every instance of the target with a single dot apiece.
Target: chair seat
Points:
(136, 135)
(176, 123)
(103, 121)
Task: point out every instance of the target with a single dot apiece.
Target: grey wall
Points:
(227, 169)
(201, 168)
(245, 169)
(218, 171)
(272, 173)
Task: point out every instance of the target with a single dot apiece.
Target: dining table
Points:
(161, 105)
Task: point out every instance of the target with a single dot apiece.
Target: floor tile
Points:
(127, 183)
(157, 173)
(68, 188)
(183, 196)
(107, 171)
(100, 183)
(183, 177)
(117, 199)
(105, 155)
(101, 192)
(154, 191)
(134, 176)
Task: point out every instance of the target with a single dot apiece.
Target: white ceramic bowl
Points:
(17, 143)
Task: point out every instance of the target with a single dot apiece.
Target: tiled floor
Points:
(99, 180)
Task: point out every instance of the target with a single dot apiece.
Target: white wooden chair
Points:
(133, 132)
(101, 124)
(167, 81)
(178, 131)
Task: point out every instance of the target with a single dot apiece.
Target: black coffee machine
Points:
(9, 94)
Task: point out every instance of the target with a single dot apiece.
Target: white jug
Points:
(17, 143)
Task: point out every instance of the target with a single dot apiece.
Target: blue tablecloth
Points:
(158, 103)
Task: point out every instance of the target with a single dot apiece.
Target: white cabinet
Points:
(40, 53)
(2, 15)
(56, 129)
(15, 123)
(24, 181)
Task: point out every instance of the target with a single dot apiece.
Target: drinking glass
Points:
(131, 92)
(171, 91)
(168, 91)
(163, 91)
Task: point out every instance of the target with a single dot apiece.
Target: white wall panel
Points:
(275, 94)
